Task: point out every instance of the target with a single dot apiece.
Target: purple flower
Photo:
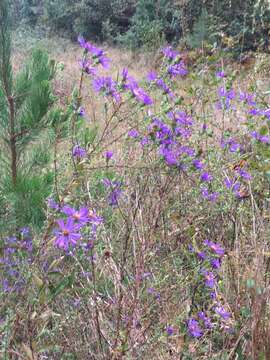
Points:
(169, 53)
(141, 95)
(249, 98)
(81, 111)
(209, 279)
(79, 152)
(88, 67)
(169, 330)
(154, 292)
(133, 133)
(152, 76)
(262, 138)
(94, 219)
(234, 147)
(209, 196)
(194, 328)
(97, 54)
(244, 174)
(181, 118)
(215, 263)
(53, 204)
(220, 74)
(177, 69)
(198, 164)
(206, 177)
(108, 155)
(205, 319)
(80, 216)
(67, 234)
(222, 312)
(106, 85)
(81, 41)
(217, 248)
(201, 255)
(163, 86)
(115, 191)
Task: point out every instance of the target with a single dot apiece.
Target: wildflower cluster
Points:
(77, 229)
(214, 314)
(17, 253)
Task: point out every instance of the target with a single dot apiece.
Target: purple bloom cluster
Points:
(98, 55)
(210, 261)
(115, 191)
(129, 83)
(79, 152)
(108, 155)
(232, 144)
(68, 233)
(17, 253)
(194, 328)
(176, 66)
(226, 97)
(106, 85)
(261, 138)
(160, 83)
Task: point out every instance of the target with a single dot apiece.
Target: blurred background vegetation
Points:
(239, 25)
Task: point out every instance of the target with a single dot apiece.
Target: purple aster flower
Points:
(222, 312)
(88, 67)
(229, 183)
(116, 192)
(190, 248)
(80, 216)
(67, 234)
(145, 141)
(152, 76)
(5, 285)
(79, 152)
(194, 328)
(206, 177)
(169, 330)
(207, 322)
(133, 133)
(81, 41)
(177, 69)
(106, 85)
(220, 74)
(254, 111)
(170, 156)
(53, 204)
(209, 279)
(215, 263)
(249, 98)
(97, 54)
(163, 86)
(234, 147)
(181, 118)
(141, 96)
(244, 174)
(201, 255)
(198, 164)
(264, 139)
(212, 197)
(108, 155)
(81, 111)
(217, 248)
(169, 53)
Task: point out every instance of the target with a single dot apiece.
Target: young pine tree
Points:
(25, 101)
